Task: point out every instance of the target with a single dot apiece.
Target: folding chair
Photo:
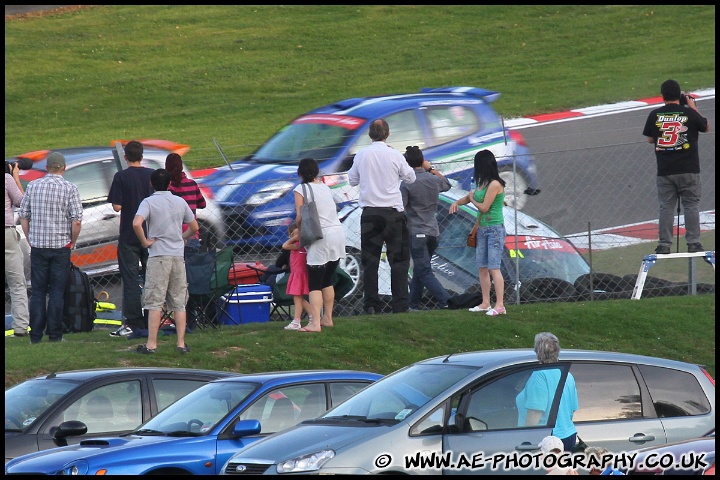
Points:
(207, 275)
(276, 278)
(281, 300)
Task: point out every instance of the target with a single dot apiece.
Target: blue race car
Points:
(449, 124)
(198, 433)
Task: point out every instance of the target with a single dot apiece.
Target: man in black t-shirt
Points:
(673, 129)
(128, 189)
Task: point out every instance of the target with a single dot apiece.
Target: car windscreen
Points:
(28, 400)
(537, 256)
(200, 411)
(395, 397)
(318, 136)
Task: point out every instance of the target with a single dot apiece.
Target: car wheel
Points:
(352, 266)
(515, 186)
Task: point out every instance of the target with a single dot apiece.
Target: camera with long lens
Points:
(22, 164)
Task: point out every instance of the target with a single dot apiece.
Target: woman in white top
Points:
(323, 255)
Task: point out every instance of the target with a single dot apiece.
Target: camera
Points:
(22, 164)
(684, 98)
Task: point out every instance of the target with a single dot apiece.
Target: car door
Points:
(284, 407)
(100, 224)
(115, 406)
(101, 405)
(489, 422)
(615, 409)
(679, 401)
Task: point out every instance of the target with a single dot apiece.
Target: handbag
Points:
(579, 447)
(310, 229)
(472, 236)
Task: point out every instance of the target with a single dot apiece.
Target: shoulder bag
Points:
(472, 236)
(310, 229)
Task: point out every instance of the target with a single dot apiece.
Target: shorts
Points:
(320, 276)
(490, 246)
(165, 283)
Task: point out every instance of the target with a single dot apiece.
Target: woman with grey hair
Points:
(535, 400)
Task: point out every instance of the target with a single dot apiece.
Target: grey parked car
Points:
(461, 409)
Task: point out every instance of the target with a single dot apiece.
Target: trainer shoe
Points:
(695, 248)
(294, 325)
(123, 331)
(662, 250)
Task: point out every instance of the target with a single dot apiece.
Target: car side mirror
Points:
(245, 428)
(71, 428)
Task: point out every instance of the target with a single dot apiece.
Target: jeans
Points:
(15, 279)
(132, 261)
(687, 187)
(387, 226)
(490, 245)
(50, 268)
(422, 248)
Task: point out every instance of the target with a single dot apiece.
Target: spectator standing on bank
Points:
(489, 198)
(420, 200)
(323, 255)
(163, 214)
(14, 258)
(378, 170)
(673, 129)
(130, 187)
(50, 216)
(297, 284)
(186, 188)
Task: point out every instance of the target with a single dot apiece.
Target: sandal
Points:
(142, 348)
(478, 308)
(494, 312)
(305, 330)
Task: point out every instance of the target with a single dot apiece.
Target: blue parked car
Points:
(450, 125)
(198, 433)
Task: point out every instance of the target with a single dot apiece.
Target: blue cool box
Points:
(246, 304)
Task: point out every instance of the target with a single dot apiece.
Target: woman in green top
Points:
(489, 198)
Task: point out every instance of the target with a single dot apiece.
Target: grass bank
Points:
(681, 328)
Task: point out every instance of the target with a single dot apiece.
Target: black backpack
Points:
(79, 308)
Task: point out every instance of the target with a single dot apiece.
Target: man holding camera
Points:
(673, 129)
(14, 265)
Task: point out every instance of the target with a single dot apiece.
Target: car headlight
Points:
(79, 467)
(269, 193)
(306, 463)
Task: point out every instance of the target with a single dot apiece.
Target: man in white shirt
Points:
(378, 170)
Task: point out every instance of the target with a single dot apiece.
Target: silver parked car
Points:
(457, 414)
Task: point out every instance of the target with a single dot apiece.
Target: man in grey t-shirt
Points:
(165, 279)
(420, 199)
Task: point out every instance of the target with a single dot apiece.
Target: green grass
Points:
(681, 328)
(616, 261)
(238, 73)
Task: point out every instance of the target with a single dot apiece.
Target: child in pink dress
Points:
(297, 284)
